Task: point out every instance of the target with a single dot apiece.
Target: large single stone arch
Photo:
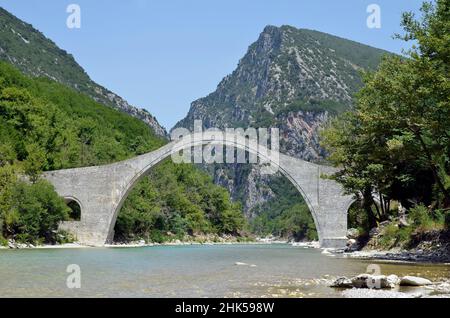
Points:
(102, 190)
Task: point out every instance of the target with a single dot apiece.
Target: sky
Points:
(162, 55)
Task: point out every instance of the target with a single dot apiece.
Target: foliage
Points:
(288, 216)
(357, 219)
(30, 213)
(47, 126)
(420, 220)
(394, 236)
(396, 141)
(175, 201)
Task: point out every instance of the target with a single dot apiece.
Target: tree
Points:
(35, 163)
(395, 142)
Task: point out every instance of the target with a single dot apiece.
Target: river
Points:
(187, 271)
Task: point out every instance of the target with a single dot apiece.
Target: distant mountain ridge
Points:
(292, 79)
(283, 68)
(35, 55)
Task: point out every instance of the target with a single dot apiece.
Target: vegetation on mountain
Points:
(396, 144)
(35, 55)
(47, 126)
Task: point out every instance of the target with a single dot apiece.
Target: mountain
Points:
(34, 54)
(293, 79)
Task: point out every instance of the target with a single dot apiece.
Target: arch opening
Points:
(75, 209)
(285, 214)
(175, 147)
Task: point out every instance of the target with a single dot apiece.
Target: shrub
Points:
(393, 236)
(40, 210)
(420, 216)
(424, 220)
(3, 241)
(64, 237)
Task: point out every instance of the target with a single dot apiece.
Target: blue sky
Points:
(162, 55)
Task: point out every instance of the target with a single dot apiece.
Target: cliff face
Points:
(31, 52)
(292, 79)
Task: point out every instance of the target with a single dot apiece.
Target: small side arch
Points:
(75, 207)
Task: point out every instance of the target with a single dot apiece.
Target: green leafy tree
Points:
(35, 163)
(395, 143)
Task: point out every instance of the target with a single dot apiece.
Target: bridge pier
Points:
(334, 243)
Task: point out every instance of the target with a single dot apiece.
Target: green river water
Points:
(187, 271)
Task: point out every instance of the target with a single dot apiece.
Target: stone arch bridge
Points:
(101, 191)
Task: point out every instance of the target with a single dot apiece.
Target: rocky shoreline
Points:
(401, 256)
(428, 247)
(12, 245)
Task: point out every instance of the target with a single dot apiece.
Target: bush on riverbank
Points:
(421, 221)
(29, 212)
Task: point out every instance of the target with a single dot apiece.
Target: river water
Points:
(187, 271)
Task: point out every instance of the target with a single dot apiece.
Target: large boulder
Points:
(351, 246)
(414, 281)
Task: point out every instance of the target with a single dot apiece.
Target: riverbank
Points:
(400, 241)
(44, 246)
(401, 256)
(257, 241)
(137, 244)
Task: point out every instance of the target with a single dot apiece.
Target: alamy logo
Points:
(374, 282)
(374, 19)
(74, 19)
(74, 279)
(234, 145)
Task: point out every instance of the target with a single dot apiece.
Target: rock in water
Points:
(240, 264)
(244, 264)
(393, 281)
(342, 282)
(443, 288)
(414, 281)
(374, 281)
(360, 281)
